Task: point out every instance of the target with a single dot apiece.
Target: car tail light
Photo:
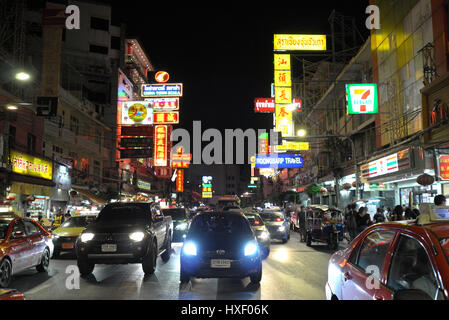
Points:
(279, 219)
(256, 222)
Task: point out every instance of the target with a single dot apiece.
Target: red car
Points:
(395, 261)
(23, 244)
(11, 294)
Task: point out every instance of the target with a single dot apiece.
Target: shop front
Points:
(60, 192)
(30, 185)
(393, 177)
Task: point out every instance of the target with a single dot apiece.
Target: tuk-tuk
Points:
(325, 225)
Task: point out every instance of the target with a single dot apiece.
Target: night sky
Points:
(223, 53)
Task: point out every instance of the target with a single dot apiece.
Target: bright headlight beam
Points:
(137, 236)
(250, 249)
(189, 249)
(87, 237)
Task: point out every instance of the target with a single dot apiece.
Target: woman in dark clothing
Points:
(397, 213)
(379, 217)
(408, 214)
(363, 219)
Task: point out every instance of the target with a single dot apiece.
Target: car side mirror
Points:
(159, 218)
(18, 234)
(411, 294)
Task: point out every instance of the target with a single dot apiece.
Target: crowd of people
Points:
(58, 219)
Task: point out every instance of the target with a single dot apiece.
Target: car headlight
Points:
(87, 237)
(189, 249)
(181, 226)
(137, 236)
(250, 249)
(281, 228)
(264, 235)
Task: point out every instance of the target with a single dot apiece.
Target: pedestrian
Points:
(416, 213)
(440, 200)
(379, 217)
(363, 219)
(350, 221)
(28, 215)
(408, 214)
(397, 213)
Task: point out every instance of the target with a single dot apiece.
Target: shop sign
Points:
(161, 90)
(180, 181)
(135, 153)
(282, 62)
(381, 167)
(160, 146)
(281, 161)
(136, 142)
(137, 131)
(136, 112)
(285, 127)
(31, 166)
(283, 95)
(300, 42)
(362, 98)
(164, 104)
(143, 185)
(294, 146)
(444, 167)
(264, 105)
(166, 117)
(282, 78)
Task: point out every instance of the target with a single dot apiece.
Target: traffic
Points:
(392, 260)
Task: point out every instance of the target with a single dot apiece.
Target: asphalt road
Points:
(293, 271)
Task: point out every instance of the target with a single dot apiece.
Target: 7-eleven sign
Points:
(362, 98)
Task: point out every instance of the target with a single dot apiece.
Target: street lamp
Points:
(22, 76)
(301, 133)
(11, 107)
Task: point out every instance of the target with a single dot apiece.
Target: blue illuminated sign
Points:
(280, 161)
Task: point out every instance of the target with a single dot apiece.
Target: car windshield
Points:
(4, 224)
(213, 223)
(254, 220)
(271, 216)
(176, 214)
(77, 222)
(123, 214)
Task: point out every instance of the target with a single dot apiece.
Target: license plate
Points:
(68, 245)
(219, 263)
(108, 247)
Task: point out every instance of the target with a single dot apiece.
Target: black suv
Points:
(125, 233)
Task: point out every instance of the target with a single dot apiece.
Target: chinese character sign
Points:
(444, 167)
(160, 146)
(282, 62)
(166, 117)
(180, 180)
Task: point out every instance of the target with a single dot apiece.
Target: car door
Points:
(411, 267)
(159, 225)
(36, 240)
(362, 275)
(20, 248)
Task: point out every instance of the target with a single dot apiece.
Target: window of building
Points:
(115, 43)
(98, 49)
(31, 142)
(99, 24)
(74, 124)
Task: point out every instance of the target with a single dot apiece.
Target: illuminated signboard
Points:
(161, 90)
(299, 42)
(143, 185)
(207, 187)
(160, 146)
(136, 112)
(362, 98)
(264, 105)
(283, 95)
(180, 181)
(444, 167)
(293, 146)
(282, 78)
(281, 161)
(161, 76)
(381, 167)
(285, 127)
(31, 166)
(282, 62)
(166, 117)
(164, 104)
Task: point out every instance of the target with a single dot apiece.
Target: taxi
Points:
(406, 260)
(261, 232)
(65, 236)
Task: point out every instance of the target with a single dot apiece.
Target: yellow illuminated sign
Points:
(282, 62)
(299, 42)
(282, 113)
(286, 127)
(282, 78)
(31, 166)
(283, 95)
(294, 146)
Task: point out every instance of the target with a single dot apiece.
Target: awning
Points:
(90, 196)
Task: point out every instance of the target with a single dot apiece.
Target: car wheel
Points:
(166, 255)
(5, 273)
(257, 277)
(85, 267)
(184, 277)
(149, 261)
(45, 261)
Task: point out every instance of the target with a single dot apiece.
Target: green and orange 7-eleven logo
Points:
(362, 98)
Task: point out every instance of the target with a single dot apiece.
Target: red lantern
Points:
(10, 197)
(425, 180)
